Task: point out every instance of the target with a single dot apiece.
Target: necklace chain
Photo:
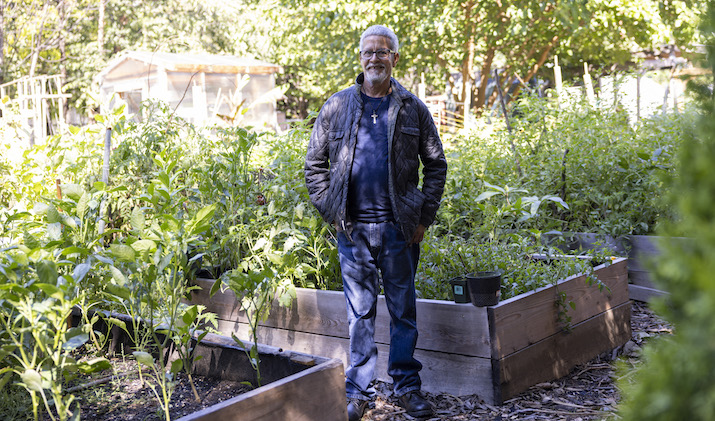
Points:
(374, 114)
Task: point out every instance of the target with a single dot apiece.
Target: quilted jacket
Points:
(412, 137)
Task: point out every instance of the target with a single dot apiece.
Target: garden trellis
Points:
(36, 100)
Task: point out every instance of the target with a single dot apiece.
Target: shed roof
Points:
(208, 63)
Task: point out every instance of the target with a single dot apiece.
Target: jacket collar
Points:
(397, 89)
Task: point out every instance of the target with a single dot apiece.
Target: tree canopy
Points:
(454, 44)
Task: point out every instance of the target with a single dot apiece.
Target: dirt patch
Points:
(120, 395)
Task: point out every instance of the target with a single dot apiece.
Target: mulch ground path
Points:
(589, 392)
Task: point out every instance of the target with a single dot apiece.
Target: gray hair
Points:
(382, 31)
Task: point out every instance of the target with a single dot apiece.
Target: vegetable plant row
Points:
(230, 203)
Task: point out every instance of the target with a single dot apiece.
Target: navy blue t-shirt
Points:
(368, 194)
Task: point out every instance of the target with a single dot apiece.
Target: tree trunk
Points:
(540, 62)
(484, 78)
(468, 60)
(37, 46)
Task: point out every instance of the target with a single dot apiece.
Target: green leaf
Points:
(486, 195)
(200, 222)
(73, 191)
(144, 358)
(30, 241)
(118, 276)
(50, 289)
(80, 271)
(144, 246)
(53, 215)
(82, 205)
(47, 272)
(94, 365)
(54, 231)
(123, 252)
(215, 287)
(137, 219)
(122, 325)
(176, 366)
(32, 380)
(190, 314)
(74, 338)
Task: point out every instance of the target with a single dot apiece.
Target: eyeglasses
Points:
(381, 54)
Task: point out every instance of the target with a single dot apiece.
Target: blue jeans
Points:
(380, 249)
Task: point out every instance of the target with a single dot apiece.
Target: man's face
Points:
(377, 70)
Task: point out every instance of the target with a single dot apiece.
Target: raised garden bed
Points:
(494, 352)
(641, 250)
(297, 386)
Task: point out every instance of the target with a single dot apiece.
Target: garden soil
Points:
(587, 393)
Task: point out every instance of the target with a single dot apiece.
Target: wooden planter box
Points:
(302, 387)
(297, 386)
(642, 250)
(495, 352)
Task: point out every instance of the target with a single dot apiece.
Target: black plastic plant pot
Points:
(484, 288)
(460, 290)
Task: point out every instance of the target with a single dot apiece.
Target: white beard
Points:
(376, 76)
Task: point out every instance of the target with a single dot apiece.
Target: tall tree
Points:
(444, 38)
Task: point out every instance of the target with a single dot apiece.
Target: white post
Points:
(557, 79)
(467, 102)
(105, 175)
(589, 85)
(421, 88)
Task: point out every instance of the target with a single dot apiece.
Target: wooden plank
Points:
(645, 294)
(441, 373)
(317, 393)
(641, 278)
(556, 355)
(528, 318)
(443, 325)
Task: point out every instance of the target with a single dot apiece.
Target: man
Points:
(362, 173)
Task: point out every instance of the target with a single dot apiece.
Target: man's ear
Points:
(397, 57)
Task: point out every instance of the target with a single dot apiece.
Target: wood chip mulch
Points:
(589, 392)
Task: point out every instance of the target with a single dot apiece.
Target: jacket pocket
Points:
(335, 139)
(411, 131)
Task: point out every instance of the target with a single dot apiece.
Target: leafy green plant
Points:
(512, 211)
(256, 290)
(674, 380)
(36, 303)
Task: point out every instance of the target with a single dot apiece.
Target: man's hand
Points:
(419, 235)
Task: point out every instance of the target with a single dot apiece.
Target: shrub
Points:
(677, 378)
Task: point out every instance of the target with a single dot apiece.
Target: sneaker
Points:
(415, 404)
(356, 408)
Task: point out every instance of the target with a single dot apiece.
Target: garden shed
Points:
(202, 88)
